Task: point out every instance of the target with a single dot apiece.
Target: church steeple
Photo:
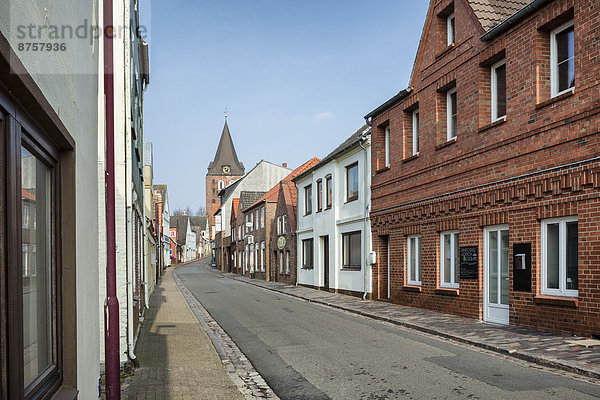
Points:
(226, 161)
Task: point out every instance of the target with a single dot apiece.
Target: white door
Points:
(496, 277)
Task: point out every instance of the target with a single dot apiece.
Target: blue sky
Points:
(296, 76)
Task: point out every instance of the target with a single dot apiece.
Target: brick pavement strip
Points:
(569, 353)
(177, 357)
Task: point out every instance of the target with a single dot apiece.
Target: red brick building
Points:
(485, 196)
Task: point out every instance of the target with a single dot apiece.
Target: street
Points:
(307, 351)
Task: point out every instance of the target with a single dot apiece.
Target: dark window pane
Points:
(565, 58)
(37, 267)
(572, 239)
(500, 91)
(552, 256)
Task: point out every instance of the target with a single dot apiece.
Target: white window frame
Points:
(287, 262)
(262, 217)
(562, 263)
(308, 206)
(450, 30)
(387, 146)
(262, 256)
(283, 224)
(554, 59)
(494, 89)
(454, 236)
(221, 185)
(450, 134)
(279, 225)
(415, 132)
(411, 279)
(281, 262)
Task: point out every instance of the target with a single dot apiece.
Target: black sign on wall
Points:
(469, 262)
(522, 267)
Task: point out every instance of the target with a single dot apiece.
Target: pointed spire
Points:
(226, 161)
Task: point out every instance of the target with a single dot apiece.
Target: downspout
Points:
(296, 216)
(111, 303)
(365, 219)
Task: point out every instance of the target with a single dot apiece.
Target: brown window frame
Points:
(328, 192)
(307, 201)
(312, 254)
(348, 265)
(319, 195)
(354, 197)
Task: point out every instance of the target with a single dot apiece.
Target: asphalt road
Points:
(308, 351)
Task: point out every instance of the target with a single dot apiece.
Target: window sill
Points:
(413, 157)
(307, 214)
(380, 170)
(446, 50)
(555, 99)
(491, 125)
(570, 302)
(447, 291)
(65, 394)
(446, 144)
(307, 268)
(412, 288)
(351, 200)
(328, 208)
(350, 269)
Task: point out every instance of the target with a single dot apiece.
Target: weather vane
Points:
(225, 112)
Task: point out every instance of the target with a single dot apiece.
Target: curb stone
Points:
(521, 355)
(239, 369)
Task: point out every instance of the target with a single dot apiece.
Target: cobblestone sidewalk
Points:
(177, 358)
(569, 353)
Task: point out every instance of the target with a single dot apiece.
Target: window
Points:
(450, 29)
(415, 132)
(451, 114)
(247, 220)
(25, 216)
(562, 59)
(308, 200)
(281, 262)
(279, 225)
(560, 238)
(262, 256)
(221, 184)
(413, 260)
(262, 217)
(449, 259)
(352, 182)
(256, 220)
(387, 146)
(287, 262)
(283, 224)
(498, 85)
(351, 250)
(319, 195)
(329, 190)
(307, 254)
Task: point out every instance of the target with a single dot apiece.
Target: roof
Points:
(493, 12)
(273, 193)
(402, 94)
(226, 155)
(247, 198)
(198, 221)
(347, 144)
(234, 207)
(180, 222)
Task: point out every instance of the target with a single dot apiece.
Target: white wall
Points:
(74, 97)
(343, 217)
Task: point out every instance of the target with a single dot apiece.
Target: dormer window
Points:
(450, 29)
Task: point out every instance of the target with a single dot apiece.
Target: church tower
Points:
(222, 171)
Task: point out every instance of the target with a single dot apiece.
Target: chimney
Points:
(284, 165)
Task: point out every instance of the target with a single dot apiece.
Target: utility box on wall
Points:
(522, 267)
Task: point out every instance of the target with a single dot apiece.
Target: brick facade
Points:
(540, 161)
(284, 268)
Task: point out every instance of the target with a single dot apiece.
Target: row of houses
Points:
(474, 191)
(77, 195)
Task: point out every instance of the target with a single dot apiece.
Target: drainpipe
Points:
(111, 303)
(365, 219)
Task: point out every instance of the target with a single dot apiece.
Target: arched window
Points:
(221, 184)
